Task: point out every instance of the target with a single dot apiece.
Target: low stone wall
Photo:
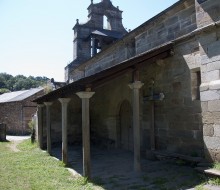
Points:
(2, 132)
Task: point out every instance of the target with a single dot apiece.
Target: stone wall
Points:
(178, 121)
(112, 56)
(171, 24)
(210, 89)
(207, 13)
(105, 111)
(11, 115)
(17, 115)
(178, 21)
(187, 120)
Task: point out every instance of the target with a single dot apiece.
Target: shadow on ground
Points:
(113, 169)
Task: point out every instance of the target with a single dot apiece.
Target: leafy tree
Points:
(3, 90)
(20, 82)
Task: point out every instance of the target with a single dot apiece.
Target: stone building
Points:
(17, 109)
(154, 88)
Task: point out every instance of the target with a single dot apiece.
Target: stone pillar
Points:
(40, 125)
(85, 96)
(48, 121)
(135, 86)
(64, 102)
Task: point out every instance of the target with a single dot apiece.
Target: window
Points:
(195, 84)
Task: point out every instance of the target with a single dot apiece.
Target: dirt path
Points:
(15, 140)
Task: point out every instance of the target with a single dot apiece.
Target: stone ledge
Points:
(204, 87)
(208, 171)
(213, 85)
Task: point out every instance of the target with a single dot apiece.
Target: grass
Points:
(33, 169)
(216, 165)
(201, 187)
(36, 170)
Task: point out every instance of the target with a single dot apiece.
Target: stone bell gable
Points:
(94, 36)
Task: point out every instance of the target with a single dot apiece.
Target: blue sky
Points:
(36, 35)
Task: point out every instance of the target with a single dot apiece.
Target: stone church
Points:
(155, 88)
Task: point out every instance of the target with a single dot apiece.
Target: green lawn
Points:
(33, 169)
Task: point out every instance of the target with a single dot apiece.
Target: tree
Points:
(20, 82)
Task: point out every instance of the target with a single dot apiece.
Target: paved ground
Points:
(113, 169)
(17, 138)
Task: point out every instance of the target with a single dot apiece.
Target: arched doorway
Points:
(126, 129)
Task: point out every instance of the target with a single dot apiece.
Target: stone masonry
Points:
(208, 16)
(17, 114)
(182, 45)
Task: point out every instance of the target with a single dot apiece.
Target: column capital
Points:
(136, 85)
(64, 100)
(40, 105)
(85, 95)
(48, 103)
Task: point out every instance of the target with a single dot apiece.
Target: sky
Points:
(36, 36)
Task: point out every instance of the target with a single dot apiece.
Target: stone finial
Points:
(77, 21)
(91, 1)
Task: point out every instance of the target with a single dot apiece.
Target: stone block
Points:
(171, 20)
(207, 38)
(210, 76)
(214, 106)
(185, 23)
(208, 130)
(213, 66)
(210, 95)
(204, 106)
(174, 28)
(217, 130)
(212, 142)
(214, 85)
(186, 13)
(211, 117)
(204, 87)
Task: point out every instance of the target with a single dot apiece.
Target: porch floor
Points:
(113, 169)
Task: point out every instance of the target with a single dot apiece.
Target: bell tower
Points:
(93, 36)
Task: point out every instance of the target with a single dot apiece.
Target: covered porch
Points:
(85, 89)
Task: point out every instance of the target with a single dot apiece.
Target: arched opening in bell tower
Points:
(106, 24)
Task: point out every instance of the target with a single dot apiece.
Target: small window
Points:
(195, 84)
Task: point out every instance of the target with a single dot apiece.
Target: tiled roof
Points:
(18, 95)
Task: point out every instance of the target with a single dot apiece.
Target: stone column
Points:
(85, 96)
(64, 102)
(48, 121)
(40, 125)
(135, 86)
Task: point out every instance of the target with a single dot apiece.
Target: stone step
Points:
(208, 171)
